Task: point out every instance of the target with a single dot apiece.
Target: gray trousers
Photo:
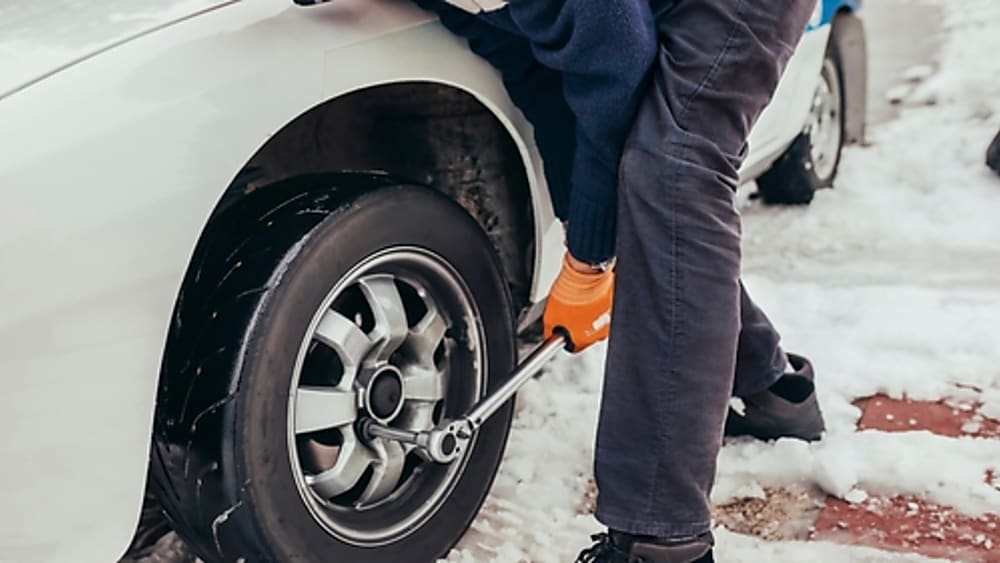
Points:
(685, 335)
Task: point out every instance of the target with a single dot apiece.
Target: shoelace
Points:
(603, 551)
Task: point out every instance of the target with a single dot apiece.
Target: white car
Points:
(232, 231)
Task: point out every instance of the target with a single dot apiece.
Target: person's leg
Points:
(535, 89)
(777, 389)
(676, 318)
(760, 361)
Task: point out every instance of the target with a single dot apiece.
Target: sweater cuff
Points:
(591, 230)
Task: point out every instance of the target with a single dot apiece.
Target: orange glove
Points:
(580, 305)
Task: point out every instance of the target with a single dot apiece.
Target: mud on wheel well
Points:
(418, 132)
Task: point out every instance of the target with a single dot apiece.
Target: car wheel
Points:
(388, 306)
(810, 162)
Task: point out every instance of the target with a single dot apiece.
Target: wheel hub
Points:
(384, 394)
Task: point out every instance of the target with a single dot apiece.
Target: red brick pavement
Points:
(907, 523)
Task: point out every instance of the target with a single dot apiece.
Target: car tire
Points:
(236, 462)
(810, 163)
(993, 154)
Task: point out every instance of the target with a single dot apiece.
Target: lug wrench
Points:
(446, 442)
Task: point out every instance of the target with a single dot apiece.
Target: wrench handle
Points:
(484, 409)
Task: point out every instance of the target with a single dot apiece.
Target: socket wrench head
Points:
(444, 444)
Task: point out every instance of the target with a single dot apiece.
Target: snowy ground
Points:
(890, 283)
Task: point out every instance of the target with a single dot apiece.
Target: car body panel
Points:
(40, 38)
(118, 162)
(110, 169)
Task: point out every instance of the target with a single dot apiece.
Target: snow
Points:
(918, 73)
(972, 426)
(898, 93)
(992, 409)
(737, 547)
(890, 283)
(943, 470)
(855, 496)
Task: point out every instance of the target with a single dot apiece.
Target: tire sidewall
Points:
(257, 471)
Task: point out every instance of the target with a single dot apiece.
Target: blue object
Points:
(831, 7)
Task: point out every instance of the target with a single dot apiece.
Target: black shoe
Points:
(786, 409)
(615, 547)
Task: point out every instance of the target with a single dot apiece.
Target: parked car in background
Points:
(232, 230)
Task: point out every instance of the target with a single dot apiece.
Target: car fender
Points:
(110, 169)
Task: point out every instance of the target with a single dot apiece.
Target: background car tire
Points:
(993, 154)
(810, 163)
(220, 461)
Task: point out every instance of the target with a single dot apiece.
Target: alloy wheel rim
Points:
(824, 127)
(387, 343)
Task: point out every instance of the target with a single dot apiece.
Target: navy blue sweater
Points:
(605, 49)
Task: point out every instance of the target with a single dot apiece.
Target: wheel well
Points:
(419, 132)
(416, 132)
